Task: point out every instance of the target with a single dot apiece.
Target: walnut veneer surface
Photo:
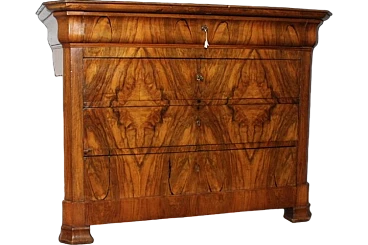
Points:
(174, 110)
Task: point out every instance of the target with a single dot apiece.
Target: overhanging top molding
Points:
(178, 8)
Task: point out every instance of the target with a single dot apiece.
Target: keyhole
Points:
(200, 77)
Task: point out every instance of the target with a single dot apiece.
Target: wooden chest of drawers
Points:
(174, 110)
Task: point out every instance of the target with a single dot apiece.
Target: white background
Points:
(31, 150)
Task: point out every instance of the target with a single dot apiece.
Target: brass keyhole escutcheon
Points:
(200, 77)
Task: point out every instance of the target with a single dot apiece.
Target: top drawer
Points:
(188, 30)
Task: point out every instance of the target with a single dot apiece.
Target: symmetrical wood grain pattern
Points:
(187, 30)
(159, 125)
(111, 28)
(118, 82)
(109, 131)
(146, 175)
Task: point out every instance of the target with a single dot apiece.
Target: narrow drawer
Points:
(114, 131)
(188, 30)
(131, 82)
(117, 177)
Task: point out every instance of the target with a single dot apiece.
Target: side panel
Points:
(73, 209)
(302, 164)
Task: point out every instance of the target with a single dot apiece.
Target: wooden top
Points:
(195, 9)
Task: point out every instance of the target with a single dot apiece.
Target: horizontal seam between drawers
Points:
(293, 145)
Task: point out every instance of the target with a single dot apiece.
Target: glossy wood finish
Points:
(74, 229)
(122, 82)
(159, 126)
(145, 208)
(195, 51)
(110, 131)
(192, 9)
(200, 172)
(186, 30)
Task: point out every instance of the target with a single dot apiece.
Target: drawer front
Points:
(111, 131)
(135, 82)
(117, 177)
(234, 79)
(188, 30)
(119, 82)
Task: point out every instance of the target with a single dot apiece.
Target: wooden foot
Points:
(298, 214)
(75, 235)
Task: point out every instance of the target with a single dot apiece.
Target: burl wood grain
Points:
(145, 175)
(157, 126)
(117, 82)
(120, 82)
(248, 79)
(110, 131)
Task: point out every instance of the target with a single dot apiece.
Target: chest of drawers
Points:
(174, 110)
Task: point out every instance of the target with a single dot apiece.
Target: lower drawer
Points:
(148, 175)
(111, 131)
